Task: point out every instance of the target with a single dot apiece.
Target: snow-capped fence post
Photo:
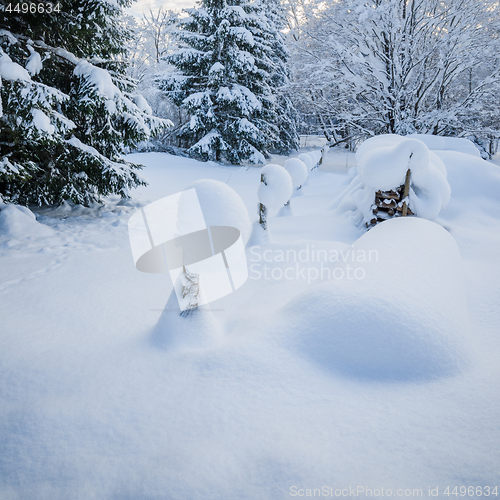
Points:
(321, 157)
(263, 216)
(298, 171)
(275, 190)
(262, 207)
(190, 291)
(406, 193)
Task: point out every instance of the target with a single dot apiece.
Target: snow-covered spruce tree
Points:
(68, 111)
(230, 71)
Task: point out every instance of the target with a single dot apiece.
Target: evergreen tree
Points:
(68, 112)
(288, 117)
(231, 66)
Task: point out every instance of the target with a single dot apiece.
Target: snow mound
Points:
(380, 141)
(439, 143)
(19, 222)
(317, 154)
(196, 331)
(382, 165)
(400, 319)
(308, 160)
(222, 206)
(298, 171)
(277, 187)
(433, 142)
(472, 179)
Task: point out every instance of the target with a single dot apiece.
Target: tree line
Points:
(232, 81)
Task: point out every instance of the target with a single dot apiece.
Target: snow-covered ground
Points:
(378, 368)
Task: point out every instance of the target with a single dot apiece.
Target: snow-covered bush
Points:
(384, 165)
(68, 114)
(275, 190)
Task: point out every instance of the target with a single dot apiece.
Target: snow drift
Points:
(439, 143)
(406, 319)
(196, 331)
(20, 222)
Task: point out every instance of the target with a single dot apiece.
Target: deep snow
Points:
(387, 381)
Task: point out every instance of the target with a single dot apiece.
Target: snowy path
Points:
(92, 407)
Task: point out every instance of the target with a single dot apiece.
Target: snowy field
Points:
(382, 373)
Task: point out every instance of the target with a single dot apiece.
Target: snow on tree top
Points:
(206, 141)
(236, 9)
(248, 127)
(245, 61)
(142, 104)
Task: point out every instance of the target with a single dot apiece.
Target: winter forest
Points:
(249, 249)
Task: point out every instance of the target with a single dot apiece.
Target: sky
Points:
(143, 5)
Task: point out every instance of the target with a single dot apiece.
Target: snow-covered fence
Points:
(277, 184)
(313, 159)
